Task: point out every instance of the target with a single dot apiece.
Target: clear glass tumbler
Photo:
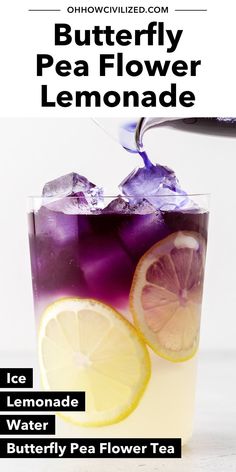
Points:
(118, 303)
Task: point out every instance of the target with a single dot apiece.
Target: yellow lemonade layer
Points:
(165, 410)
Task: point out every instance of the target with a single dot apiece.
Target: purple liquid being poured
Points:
(145, 158)
(127, 140)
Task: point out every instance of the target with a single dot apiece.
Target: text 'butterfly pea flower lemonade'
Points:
(118, 287)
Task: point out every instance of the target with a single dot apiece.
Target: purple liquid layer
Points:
(95, 256)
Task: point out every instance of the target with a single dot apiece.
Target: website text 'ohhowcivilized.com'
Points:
(108, 9)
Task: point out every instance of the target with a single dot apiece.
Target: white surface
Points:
(33, 151)
(212, 448)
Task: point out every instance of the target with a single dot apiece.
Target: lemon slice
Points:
(85, 345)
(166, 295)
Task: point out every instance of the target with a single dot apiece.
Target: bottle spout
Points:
(223, 127)
(145, 124)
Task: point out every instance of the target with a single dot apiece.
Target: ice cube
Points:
(167, 199)
(76, 205)
(118, 205)
(72, 185)
(54, 242)
(147, 180)
(67, 185)
(107, 267)
(143, 207)
(60, 227)
(153, 183)
(121, 206)
(139, 232)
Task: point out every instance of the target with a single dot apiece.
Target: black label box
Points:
(16, 378)
(42, 401)
(27, 424)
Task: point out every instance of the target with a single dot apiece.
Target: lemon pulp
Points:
(166, 294)
(85, 345)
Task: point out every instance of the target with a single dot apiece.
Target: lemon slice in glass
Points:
(85, 345)
(166, 295)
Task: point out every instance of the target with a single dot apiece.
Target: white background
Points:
(209, 36)
(34, 151)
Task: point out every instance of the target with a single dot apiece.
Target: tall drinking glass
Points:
(118, 299)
